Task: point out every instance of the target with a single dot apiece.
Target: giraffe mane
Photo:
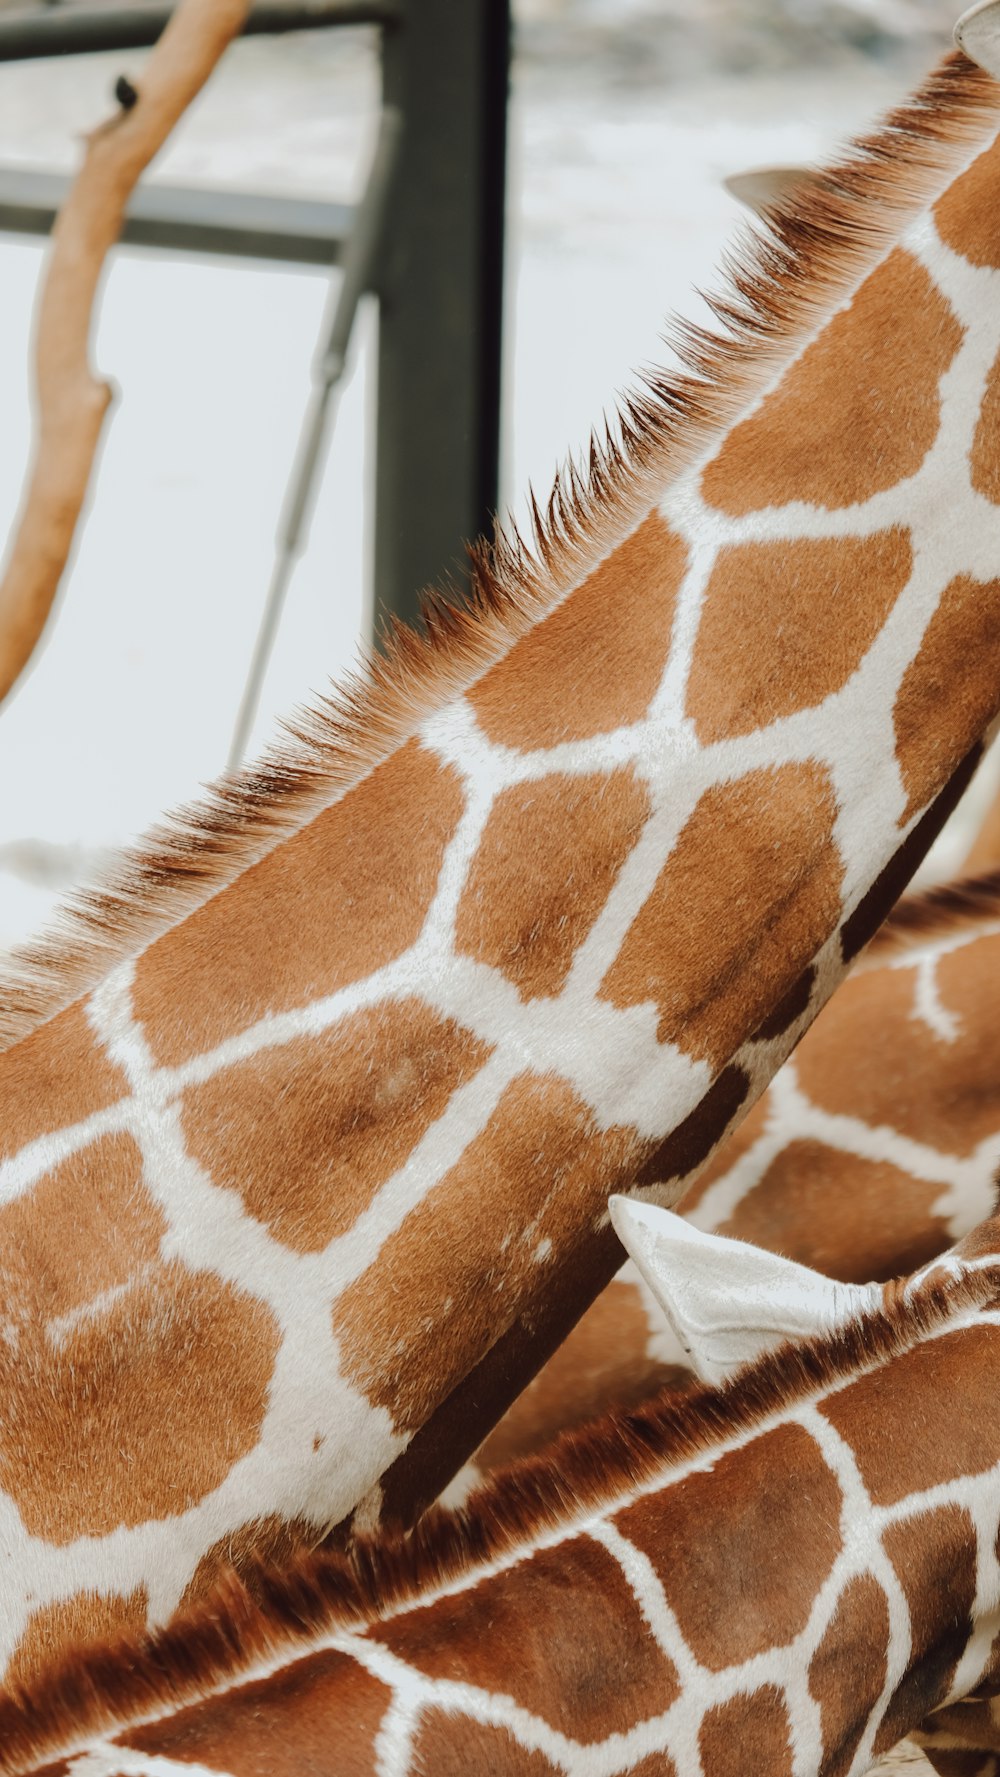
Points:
(778, 284)
(237, 1634)
(945, 908)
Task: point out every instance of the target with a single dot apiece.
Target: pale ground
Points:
(616, 210)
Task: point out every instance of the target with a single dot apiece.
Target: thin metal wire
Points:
(357, 267)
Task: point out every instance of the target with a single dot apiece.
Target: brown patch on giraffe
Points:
(54, 1630)
(934, 1555)
(749, 1733)
(908, 1424)
(604, 1359)
(411, 1325)
(55, 1077)
(881, 898)
(687, 1145)
(595, 662)
(984, 853)
(448, 1744)
(832, 1062)
(951, 689)
(128, 1377)
(657, 1765)
(338, 900)
(747, 896)
(88, 1226)
(742, 1139)
(966, 215)
(454, 1431)
(866, 432)
(784, 625)
(543, 871)
(327, 1119)
(774, 1508)
(951, 1761)
(951, 1091)
(788, 1010)
(270, 1539)
(848, 1670)
(281, 1726)
(984, 461)
(561, 1633)
(813, 1199)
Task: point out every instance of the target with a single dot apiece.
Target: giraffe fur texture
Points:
(532, 915)
(785, 1575)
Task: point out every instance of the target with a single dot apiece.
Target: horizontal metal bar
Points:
(57, 30)
(254, 225)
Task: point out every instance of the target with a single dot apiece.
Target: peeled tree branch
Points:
(70, 399)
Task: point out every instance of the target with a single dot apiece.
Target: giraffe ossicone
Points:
(728, 1302)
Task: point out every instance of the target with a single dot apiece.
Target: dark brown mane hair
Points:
(948, 907)
(780, 284)
(220, 1641)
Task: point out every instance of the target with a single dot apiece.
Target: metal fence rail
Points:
(191, 219)
(59, 29)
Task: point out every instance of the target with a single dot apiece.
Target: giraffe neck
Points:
(792, 1562)
(343, 1137)
(875, 1146)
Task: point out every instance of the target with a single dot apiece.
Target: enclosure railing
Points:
(434, 261)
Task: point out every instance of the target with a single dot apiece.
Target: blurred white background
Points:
(624, 120)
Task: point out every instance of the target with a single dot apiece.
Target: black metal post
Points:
(440, 286)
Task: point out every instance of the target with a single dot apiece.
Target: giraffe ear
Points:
(728, 1302)
(763, 187)
(978, 33)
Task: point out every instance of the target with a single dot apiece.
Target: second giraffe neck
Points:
(708, 1589)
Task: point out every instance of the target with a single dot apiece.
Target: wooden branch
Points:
(70, 399)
